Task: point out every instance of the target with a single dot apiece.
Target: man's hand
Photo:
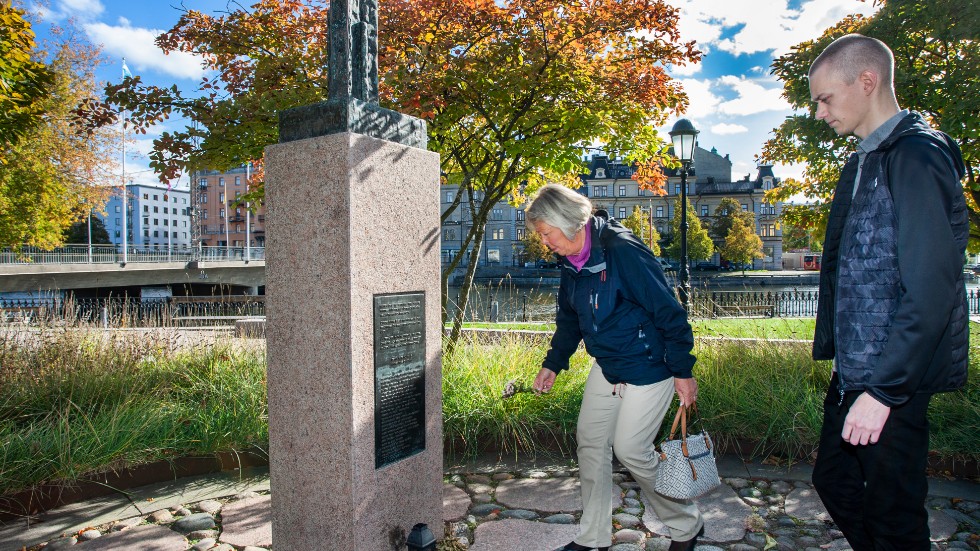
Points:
(544, 381)
(865, 420)
(687, 390)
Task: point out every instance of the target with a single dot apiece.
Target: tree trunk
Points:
(464, 290)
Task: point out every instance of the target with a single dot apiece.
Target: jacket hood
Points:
(915, 125)
(600, 223)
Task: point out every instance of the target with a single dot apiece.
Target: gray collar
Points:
(874, 139)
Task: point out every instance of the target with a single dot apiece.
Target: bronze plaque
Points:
(399, 376)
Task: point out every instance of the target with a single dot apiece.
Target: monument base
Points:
(351, 115)
(353, 226)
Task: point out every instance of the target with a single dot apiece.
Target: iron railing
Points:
(503, 307)
(109, 254)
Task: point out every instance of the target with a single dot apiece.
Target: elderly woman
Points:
(613, 295)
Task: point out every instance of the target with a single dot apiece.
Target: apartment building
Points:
(221, 219)
(155, 217)
(610, 186)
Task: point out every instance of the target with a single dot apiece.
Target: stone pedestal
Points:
(350, 219)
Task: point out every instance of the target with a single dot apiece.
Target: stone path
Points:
(514, 510)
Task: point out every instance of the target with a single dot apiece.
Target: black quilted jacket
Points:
(892, 295)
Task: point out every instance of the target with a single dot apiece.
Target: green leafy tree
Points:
(742, 245)
(535, 249)
(798, 238)
(727, 213)
(78, 232)
(512, 89)
(937, 72)
(699, 244)
(24, 80)
(639, 224)
(54, 174)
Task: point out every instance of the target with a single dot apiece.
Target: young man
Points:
(892, 312)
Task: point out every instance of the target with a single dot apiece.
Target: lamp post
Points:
(685, 138)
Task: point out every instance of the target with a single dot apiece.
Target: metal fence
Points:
(134, 312)
(110, 254)
(193, 311)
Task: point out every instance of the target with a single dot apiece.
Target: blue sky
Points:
(735, 102)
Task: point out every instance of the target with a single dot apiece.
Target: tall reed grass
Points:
(76, 403)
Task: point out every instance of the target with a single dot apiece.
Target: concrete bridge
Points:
(105, 266)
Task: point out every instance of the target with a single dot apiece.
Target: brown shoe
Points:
(686, 545)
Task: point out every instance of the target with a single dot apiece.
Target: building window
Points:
(745, 207)
(221, 197)
(449, 197)
(204, 199)
(203, 182)
(238, 194)
(204, 213)
(118, 223)
(238, 180)
(166, 234)
(119, 209)
(156, 209)
(520, 233)
(449, 234)
(598, 191)
(498, 214)
(497, 234)
(117, 234)
(600, 173)
(704, 210)
(221, 213)
(156, 221)
(146, 233)
(146, 196)
(146, 221)
(156, 197)
(146, 208)
(221, 182)
(677, 189)
(520, 216)
(622, 191)
(156, 233)
(165, 210)
(660, 212)
(622, 213)
(184, 235)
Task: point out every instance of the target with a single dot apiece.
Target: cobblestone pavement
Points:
(502, 509)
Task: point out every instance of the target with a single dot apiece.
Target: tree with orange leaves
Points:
(512, 90)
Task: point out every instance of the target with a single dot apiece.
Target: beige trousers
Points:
(627, 422)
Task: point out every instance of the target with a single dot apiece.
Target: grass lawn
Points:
(75, 405)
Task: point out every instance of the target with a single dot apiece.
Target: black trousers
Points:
(876, 493)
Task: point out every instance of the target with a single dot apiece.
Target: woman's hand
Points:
(544, 381)
(687, 390)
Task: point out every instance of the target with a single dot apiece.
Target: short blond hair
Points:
(852, 53)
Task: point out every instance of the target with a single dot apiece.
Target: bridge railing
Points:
(110, 254)
(179, 311)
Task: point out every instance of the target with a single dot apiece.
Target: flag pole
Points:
(248, 214)
(125, 202)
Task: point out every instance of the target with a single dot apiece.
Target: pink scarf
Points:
(579, 260)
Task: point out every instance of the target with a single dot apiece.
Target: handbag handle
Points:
(682, 418)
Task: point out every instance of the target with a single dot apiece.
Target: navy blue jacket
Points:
(892, 307)
(622, 307)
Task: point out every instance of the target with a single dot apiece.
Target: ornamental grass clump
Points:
(74, 403)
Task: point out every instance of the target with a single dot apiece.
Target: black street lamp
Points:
(685, 139)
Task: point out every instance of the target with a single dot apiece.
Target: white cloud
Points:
(752, 97)
(775, 28)
(724, 129)
(137, 45)
(81, 10)
(701, 102)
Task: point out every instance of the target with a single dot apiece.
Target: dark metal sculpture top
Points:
(353, 70)
(352, 100)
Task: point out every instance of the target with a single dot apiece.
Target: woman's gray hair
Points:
(560, 207)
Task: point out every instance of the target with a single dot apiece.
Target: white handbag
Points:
(687, 466)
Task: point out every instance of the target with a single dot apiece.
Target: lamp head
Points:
(685, 139)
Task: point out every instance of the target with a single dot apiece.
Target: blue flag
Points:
(125, 70)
